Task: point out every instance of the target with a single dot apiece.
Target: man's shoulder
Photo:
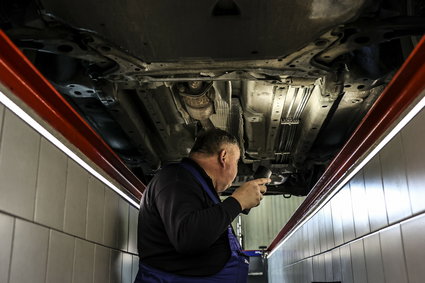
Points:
(171, 169)
(173, 173)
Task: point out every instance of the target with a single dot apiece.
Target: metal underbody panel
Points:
(290, 79)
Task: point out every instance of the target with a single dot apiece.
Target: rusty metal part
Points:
(199, 105)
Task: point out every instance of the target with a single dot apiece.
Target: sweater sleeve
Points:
(190, 226)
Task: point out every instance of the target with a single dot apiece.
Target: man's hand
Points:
(251, 193)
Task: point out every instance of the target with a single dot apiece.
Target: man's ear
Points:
(222, 156)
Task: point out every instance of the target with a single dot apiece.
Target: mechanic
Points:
(184, 230)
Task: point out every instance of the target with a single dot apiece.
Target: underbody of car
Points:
(290, 79)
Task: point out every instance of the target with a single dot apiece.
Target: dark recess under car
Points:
(290, 79)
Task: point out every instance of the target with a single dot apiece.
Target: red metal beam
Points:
(26, 82)
(404, 88)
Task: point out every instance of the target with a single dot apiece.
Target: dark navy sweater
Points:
(180, 229)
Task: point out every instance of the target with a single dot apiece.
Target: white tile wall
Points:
(116, 264)
(134, 268)
(127, 264)
(60, 258)
(375, 198)
(50, 192)
(111, 215)
(347, 214)
(95, 210)
(395, 181)
(358, 261)
(346, 266)
(123, 224)
(29, 255)
(336, 208)
(336, 264)
(57, 222)
(308, 270)
(373, 255)
(413, 233)
(76, 200)
(102, 261)
(132, 232)
(6, 237)
(83, 270)
(322, 230)
(319, 271)
(328, 267)
(327, 214)
(414, 153)
(316, 237)
(360, 211)
(377, 222)
(19, 151)
(393, 255)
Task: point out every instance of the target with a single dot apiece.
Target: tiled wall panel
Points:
(83, 262)
(336, 207)
(127, 265)
(60, 258)
(19, 152)
(76, 200)
(95, 210)
(395, 182)
(319, 271)
(134, 268)
(358, 261)
(57, 222)
(102, 261)
(376, 221)
(375, 198)
(373, 256)
(115, 267)
(29, 255)
(336, 265)
(327, 214)
(393, 255)
(110, 229)
(360, 211)
(6, 237)
(347, 214)
(123, 224)
(346, 266)
(328, 267)
(413, 233)
(414, 153)
(132, 232)
(50, 196)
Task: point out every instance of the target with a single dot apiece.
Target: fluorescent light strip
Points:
(412, 113)
(34, 124)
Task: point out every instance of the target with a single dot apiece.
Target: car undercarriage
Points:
(290, 79)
